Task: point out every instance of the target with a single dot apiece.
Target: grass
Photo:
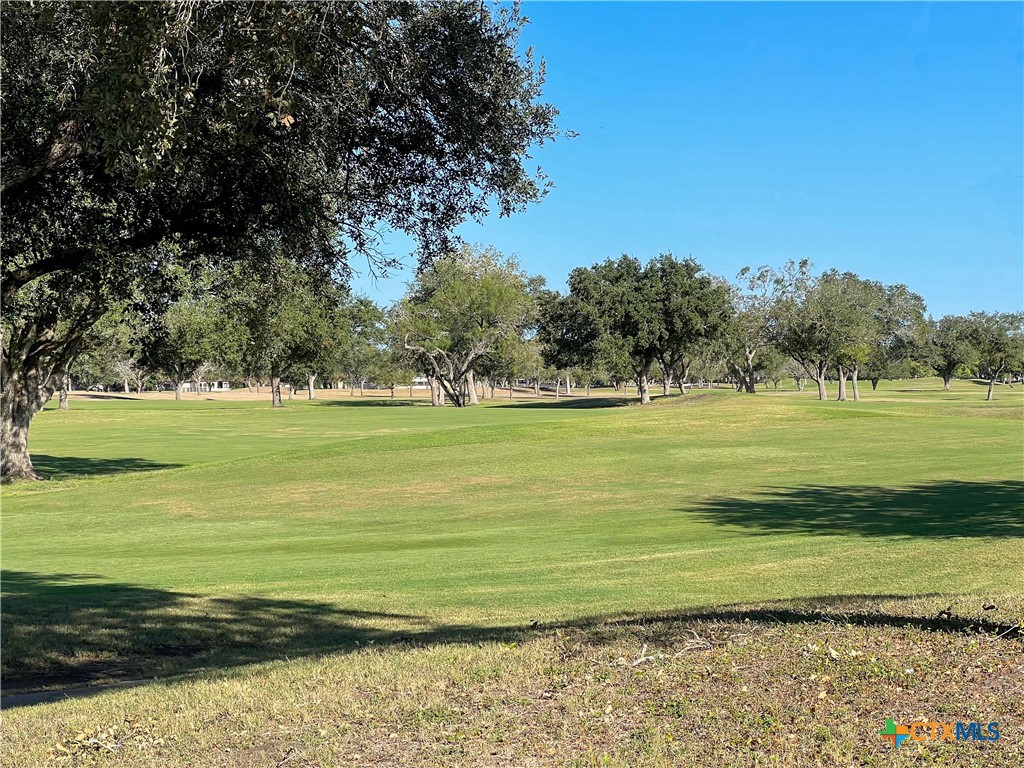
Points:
(385, 550)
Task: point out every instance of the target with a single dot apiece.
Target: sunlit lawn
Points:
(497, 515)
(410, 567)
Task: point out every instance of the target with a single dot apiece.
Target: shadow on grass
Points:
(74, 630)
(105, 396)
(575, 402)
(936, 510)
(376, 403)
(579, 403)
(58, 466)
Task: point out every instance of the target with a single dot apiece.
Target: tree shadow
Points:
(575, 402)
(937, 510)
(58, 466)
(104, 396)
(66, 630)
(76, 629)
(862, 610)
(363, 403)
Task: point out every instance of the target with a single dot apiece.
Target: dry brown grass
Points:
(777, 685)
(242, 394)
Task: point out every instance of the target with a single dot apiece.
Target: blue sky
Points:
(886, 139)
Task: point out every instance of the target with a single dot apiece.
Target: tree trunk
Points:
(842, 384)
(853, 381)
(820, 378)
(65, 385)
(536, 386)
(411, 394)
(275, 391)
(749, 375)
(568, 386)
(309, 386)
(991, 388)
(29, 379)
(352, 388)
(34, 364)
(178, 387)
(666, 386)
(682, 377)
(558, 386)
(392, 391)
(588, 389)
(645, 390)
(874, 383)
(799, 383)
(291, 391)
(946, 379)
(471, 388)
(362, 387)
(17, 463)
(452, 390)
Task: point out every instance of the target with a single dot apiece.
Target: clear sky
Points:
(886, 139)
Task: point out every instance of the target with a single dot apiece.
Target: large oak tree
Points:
(141, 135)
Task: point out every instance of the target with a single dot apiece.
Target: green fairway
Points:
(179, 536)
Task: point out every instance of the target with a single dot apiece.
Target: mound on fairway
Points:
(448, 576)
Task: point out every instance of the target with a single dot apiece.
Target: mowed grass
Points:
(201, 536)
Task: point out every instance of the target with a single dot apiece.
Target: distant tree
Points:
(949, 343)
(613, 360)
(284, 327)
(810, 324)
(998, 342)
(359, 340)
(901, 330)
(711, 361)
(621, 301)
(568, 331)
(695, 307)
(795, 371)
(392, 367)
(859, 306)
(760, 301)
(771, 366)
(526, 361)
(511, 358)
(109, 354)
(183, 342)
(460, 309)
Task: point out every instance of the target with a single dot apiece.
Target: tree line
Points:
(473, 320)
